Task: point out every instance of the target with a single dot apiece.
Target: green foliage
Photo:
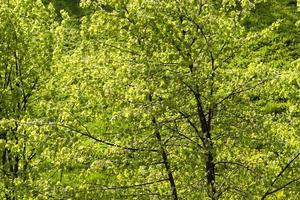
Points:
(26, 50)
(70, 6)
(149, 99)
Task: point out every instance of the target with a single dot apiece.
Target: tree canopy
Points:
(132, 99)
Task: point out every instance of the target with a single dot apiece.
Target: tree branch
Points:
(278, 176)
(280, 188)
(240, 91)
(129, 186)
(105, 142)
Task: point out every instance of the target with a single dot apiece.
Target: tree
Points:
(25, 56)
(149, 100)
(176, 89)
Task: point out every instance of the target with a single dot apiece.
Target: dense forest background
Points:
(149, 99)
